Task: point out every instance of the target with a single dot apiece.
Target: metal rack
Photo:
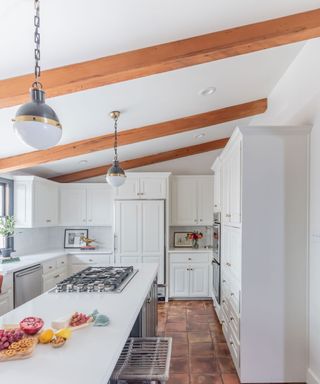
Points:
(144, 359)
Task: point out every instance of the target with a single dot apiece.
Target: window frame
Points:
(8, 207)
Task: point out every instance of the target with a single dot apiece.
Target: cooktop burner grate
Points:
(97, 279)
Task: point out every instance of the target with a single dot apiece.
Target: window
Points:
(6, 197)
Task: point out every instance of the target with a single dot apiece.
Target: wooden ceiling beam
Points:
(142, 161)
(165, 57)
(130, 136)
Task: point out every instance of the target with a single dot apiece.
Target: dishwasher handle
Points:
(27, 271)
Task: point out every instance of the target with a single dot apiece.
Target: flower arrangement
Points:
(7, 224)
(195, 237)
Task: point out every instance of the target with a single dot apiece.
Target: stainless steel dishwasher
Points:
(27, 284)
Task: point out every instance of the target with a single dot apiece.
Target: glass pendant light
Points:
(35, 123)
(115, 175)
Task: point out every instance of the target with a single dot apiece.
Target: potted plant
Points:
(195, 236)
(6, 232)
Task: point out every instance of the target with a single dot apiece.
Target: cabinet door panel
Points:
(184, 201)
(205, 201)
(235, 183)
(153, 233)
(217, 187)
(129, 190)
(73, 206)
(153, 187)
(225, 201)
(128, 229)
(99, 205)
(45, 204)
(156, 260)
(5, 305)
(179, 280)
(199, 280)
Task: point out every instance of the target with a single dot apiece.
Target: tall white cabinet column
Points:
(139, 233)
(264, 203)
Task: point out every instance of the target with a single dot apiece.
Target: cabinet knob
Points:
(223, 281)
(228, 264)
(231, 318)
(90, 260)
(223, 301)
(191, 269)
(83, 220)
(215, 205)
(195, 220)
(231, 294)
(231, 342)
(56, 276)
(201, 220)
(189, 258)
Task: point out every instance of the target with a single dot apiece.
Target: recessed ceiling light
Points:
(200, 136)
(82, 162)
(208, 91)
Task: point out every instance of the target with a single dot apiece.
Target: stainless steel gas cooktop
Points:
(97, 279)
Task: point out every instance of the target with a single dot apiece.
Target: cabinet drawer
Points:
(234, 322)
(190, 257)
(234, 347)
(90, 259)
(49, 266)
(62, 262)
(7, 283)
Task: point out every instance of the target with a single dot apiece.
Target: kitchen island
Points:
(90, 355)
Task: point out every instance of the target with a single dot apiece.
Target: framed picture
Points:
(181, 240)
(72, 238)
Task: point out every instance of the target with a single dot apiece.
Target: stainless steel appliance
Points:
(97, 279)
(27, 284)
(216, 257)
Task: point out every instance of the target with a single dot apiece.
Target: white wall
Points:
(33, 240)
(296, 100)
(314, 285)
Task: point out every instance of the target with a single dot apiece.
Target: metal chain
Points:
(37, 69)
(116, 139)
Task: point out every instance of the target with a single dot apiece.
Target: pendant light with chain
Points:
(35, 122)
(115, 175)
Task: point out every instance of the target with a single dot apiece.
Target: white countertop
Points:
(40, 257)
(193, 250)
(91, 353)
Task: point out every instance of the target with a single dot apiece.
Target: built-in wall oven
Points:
(216, 267)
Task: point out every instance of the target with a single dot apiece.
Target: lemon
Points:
(65, 333)
(46, 336)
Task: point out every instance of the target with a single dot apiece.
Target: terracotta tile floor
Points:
(199, 354)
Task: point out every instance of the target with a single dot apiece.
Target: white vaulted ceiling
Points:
(76, 30)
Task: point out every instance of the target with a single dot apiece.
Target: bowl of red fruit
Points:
(31, 325)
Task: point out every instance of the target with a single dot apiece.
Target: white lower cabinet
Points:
(189, 274)
(6, 302)
(199, 280)
(54, 271)
(78, 262)
(179, 280)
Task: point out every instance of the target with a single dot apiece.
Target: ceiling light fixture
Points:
(200, 136)
(35, 122)
(208, 91)
(115, 175)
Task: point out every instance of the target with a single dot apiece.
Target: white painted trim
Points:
(276, 129)
(312, 378)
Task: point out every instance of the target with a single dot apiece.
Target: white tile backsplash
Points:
(33, 240)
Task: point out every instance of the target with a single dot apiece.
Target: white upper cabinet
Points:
(231, 184)
(216, 168)
(130, 188)
(86, 204)
(35, 202)
(99, 205)
(191, 200)
(144, 186)
(139, 233)
(72, 205)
